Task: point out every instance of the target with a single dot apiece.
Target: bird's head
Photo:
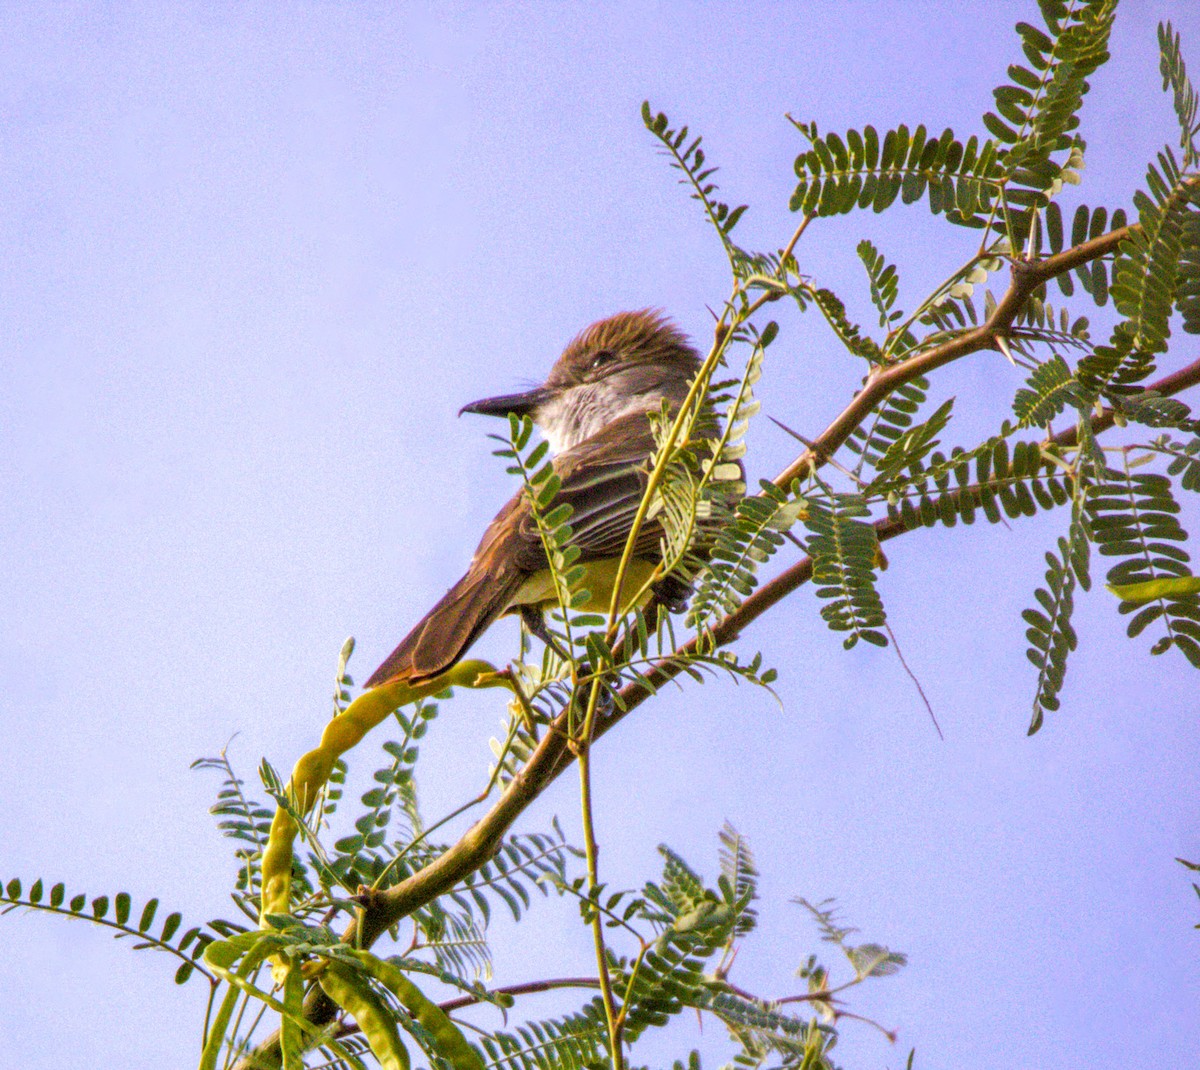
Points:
(630, 362)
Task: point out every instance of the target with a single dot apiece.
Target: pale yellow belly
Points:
(598, 580)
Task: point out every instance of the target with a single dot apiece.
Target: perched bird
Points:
(592, 410)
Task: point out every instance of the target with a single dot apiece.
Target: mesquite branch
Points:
(1027, 277)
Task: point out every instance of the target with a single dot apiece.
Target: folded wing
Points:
(603, 480)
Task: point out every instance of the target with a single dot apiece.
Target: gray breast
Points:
(584, 410)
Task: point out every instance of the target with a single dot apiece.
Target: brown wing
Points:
(603, 479)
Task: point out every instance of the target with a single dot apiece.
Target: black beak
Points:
(521, 404)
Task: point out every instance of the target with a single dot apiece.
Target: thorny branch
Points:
(1027, 277)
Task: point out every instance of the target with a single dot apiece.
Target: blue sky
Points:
(257, 257)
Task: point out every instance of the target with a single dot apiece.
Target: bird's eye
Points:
(603, 357)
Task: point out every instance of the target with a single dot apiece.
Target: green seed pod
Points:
(451, 1043)
(346, 730)
(353, 994)
(252, 948)
(291, 1039)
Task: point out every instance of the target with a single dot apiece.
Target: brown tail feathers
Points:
(447, 631)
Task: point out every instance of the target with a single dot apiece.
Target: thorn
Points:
(795, 434)
(1032, 242)
(815, 450)
(1002, 345)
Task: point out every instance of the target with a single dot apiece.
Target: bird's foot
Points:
(672, 593)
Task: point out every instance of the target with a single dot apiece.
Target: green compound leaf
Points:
(839, 175)
(689, 158)
(116, 914)
(1134, 517)
(1051, 388)
(1051, 635)
(1184, 96)
(845, 553)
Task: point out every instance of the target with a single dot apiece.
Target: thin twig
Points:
(525, 989)
(912, 676)
(796, 236)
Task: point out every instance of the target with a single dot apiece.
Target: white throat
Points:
(582, 411)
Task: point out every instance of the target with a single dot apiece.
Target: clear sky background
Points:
(255, 257)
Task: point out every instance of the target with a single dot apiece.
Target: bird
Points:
(593, 410)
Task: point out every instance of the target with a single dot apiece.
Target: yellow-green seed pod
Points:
(220, 955)
(346, 730)
(353, 994)
(291, 1038)
(451, 1043)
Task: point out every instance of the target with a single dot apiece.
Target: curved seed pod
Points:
(451, 1043)
(220, 955)
(297, 1033)
(353, 994)
(346, 730)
